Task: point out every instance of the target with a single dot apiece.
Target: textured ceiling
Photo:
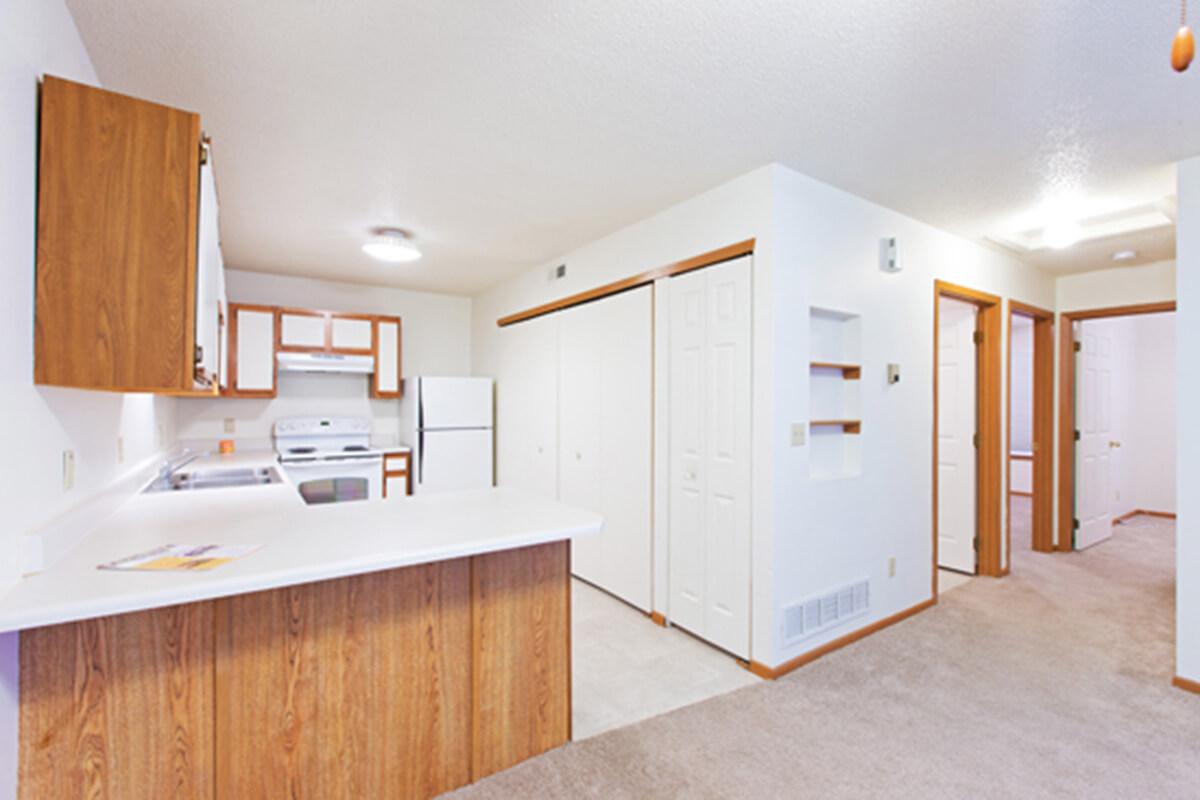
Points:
(505, 133)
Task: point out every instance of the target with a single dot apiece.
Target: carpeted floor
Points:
(1053, 682)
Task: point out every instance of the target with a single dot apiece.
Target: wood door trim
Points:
(1066, 406)
(708, 259)
(1042, 521)
(771, 673)
(988, 489)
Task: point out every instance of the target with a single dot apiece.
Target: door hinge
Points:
(975, 544)
(1079, 347)
(975, 440)
(1075, 524)
(1078, 436)
(978, 337)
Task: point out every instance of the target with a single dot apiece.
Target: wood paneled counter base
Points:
(403, 683)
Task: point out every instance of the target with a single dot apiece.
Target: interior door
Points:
(1093, 451)
(710, 440)
(957, 426)
(527, 407)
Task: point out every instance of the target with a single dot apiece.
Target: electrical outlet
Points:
(120, 449)
(799, 434)
(230, 425)
(892, 567)
(68, 470)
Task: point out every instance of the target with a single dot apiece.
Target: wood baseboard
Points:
(1015, 493)
(1123, 517)
(771, 673)
(1159, 514)
(1185, 684)
(658, 618)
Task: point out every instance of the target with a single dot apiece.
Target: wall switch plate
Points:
(230, 425)
(799, 434)
(68, 470)
(893, 375)
(892, 567)
(120, 449)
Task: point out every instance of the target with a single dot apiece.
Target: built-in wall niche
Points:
(835, 394)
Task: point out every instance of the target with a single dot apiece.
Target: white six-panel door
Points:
(1093, 454)
(957, 426)
(710, 467)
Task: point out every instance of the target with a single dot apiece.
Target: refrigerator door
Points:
(454, 403)
(449, 461)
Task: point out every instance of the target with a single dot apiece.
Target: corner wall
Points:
(1187, 321)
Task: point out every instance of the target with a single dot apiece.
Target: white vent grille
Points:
(817, 614)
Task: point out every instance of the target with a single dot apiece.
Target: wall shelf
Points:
(847, 425)
(850, 372)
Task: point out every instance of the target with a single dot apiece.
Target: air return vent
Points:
(810, 617)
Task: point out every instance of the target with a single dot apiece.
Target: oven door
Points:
(336, 480)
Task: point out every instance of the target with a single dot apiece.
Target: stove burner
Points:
(355, 448)
(301, 451)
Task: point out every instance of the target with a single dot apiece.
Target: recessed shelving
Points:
(850, 372)
(847, 425)
(835, 378)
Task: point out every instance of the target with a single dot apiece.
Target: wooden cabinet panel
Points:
(358, 687)
(118, 188)
(522, 655)
(119, 706)
(385, 382)
(252, 350)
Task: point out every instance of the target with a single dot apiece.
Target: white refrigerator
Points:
(449, 423)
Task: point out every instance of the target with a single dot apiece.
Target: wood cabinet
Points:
(400, 683)
(397, 474)
(119, 196)
(386, 380)
(309, 331)
(252, 335)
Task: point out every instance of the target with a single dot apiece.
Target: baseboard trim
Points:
(1186, 685)
(658, 619)
(1159, 514)
(771, 673)
(1123, 517)
(1015, 493)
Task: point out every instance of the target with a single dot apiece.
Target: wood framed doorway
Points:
(1066, 406)
(1043, 427)
(988, 484)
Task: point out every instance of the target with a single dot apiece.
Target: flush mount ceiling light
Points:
(1065, 226)
(1124, 255)
(392, 245)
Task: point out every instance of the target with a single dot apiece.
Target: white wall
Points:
(1143, 411)
(1121, 286)
(732, 212)
(436, 340)
(830, 533)
(37, 37)
(1187, 535)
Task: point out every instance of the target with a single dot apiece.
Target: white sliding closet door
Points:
(710, 477)
(605, 437)
(527, 407)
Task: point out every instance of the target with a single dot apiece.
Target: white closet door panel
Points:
(580, 337)
(527, 407)
(686, 573)
(728, 435)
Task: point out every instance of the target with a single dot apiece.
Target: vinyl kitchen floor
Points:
(626, 669)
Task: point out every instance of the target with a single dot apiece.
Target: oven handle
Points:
(333, 462)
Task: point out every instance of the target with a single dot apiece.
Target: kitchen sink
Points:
(215, 479)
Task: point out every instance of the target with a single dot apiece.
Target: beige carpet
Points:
(1053, 682)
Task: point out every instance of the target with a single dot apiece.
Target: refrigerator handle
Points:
(420, 457)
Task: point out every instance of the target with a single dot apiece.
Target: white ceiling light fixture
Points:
(1124, 255)
(392, 245)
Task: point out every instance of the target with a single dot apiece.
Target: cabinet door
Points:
(605, 402)
(252, 350)
(303, 331)
(351, 334)
(385, 382)
(527, 406)
(209, 284)
(118, 187)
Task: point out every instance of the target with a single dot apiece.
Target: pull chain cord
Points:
(1183, 49)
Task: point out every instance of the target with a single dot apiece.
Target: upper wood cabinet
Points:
(252, 367)
(386, 380)
(119, 196)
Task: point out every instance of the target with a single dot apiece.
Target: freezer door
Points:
(455, 403)
(449, 461)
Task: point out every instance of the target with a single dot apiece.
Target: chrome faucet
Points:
(170, 466)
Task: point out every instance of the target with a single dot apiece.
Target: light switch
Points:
(230, 425)
(68, 470)
(799, 434)
(892, 567)
(893, 373)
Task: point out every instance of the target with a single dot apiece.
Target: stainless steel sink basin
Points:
(215, 479)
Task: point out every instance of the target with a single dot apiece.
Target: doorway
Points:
(967, 453)
(1116, 425)
(1029, 461)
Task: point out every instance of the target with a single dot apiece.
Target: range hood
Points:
(326, 362)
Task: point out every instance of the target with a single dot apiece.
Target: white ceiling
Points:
(504, 133)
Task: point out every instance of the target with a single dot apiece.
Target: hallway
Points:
(1048, 683)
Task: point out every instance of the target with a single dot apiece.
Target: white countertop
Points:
(300, 543)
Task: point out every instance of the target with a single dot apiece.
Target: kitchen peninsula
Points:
(388, 649)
